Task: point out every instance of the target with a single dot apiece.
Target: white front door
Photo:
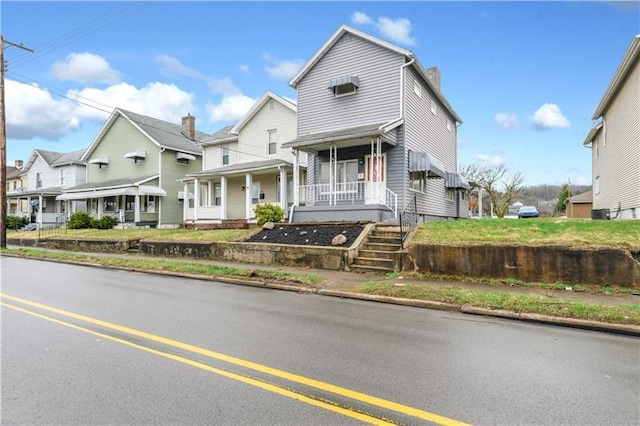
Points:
(376, 176)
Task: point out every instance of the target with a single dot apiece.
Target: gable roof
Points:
(409, 57)
(54, 159)
(625, 67)
(258, 105)
(13, 172)
(161, 133)
(585, 197)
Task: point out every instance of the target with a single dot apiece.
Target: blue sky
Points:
(525, 77)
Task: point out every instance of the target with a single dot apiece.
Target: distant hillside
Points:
(541, 195)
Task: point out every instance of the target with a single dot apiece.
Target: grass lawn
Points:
(148, 233)
(552, 231)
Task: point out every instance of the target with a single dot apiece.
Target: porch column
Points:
(196, 197)
(283, 191)
(29, 207)
(296, 177)
(209, 197)
(247, 195)
(100, 207)
(40, 209)
(333, 167)
(223, 197)
(185, 201)
(136, 208)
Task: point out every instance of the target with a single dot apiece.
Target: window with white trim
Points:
(450, 194)
(449, 127)
(417, 89)
(39, 180)
(346, 172)
(272, 136)
(217, 194)
(63, 177)
(434, 109)
(225, 155)
(596, 144)
(418, 181)
(255, 192)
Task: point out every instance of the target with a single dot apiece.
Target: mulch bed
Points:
(307, 234)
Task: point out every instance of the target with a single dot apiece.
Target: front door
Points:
(376, 174)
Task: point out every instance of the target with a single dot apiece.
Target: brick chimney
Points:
(434, 76)
(18, 164)
(189, 126)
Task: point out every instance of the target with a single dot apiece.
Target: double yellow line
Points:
(336, 390)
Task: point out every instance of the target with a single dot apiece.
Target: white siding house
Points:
(245, 165)
(615, 142)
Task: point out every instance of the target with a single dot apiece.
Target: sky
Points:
(525, 77)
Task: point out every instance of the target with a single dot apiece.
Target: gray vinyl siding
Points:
(120, 139)
(171, 210)
(426, 132)
(397, 166)
(618, 164)
(378, 95)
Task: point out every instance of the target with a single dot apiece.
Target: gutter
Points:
(401, 117)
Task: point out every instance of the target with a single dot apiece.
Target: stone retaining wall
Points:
(548, 264)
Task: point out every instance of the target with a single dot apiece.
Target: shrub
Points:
(16, 222)
(268, 213)
(80, 220)
(105, 222)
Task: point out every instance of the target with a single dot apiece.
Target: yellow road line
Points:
(248, 380)
(348, 393)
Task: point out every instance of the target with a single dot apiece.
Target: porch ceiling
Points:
(342, 138)
(49, 191)
(243, 168)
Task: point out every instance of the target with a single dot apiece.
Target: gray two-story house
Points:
(379, 134)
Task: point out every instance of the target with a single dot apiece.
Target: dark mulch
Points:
(307, 234)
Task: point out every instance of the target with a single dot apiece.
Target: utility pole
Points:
(3, 145)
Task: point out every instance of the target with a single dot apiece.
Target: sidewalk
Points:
(342, 284)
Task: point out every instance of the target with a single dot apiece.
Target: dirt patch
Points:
(307, 235)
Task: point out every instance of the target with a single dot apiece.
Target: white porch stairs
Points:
(380, 251)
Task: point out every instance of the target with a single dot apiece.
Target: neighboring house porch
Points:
(233, 191)
(40, 206)
(133, 202)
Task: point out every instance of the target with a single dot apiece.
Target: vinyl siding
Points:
(120, 139)
(378, 95)
(213, 155)
(253, 137)
(171, 210)
(618, 164)
(426, 132)
(50, 176)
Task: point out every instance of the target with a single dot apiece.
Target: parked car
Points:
(528, 211)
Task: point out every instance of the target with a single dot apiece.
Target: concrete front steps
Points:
(379, 251)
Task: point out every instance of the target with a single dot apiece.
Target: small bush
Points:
(268, 213)
(80, 220)
(105, 222)
(16, 222)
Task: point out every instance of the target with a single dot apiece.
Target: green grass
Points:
(553, 231)
(219, 235)
(521, 303)
(177, 266)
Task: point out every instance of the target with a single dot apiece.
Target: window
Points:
(255, 193)
(130, 203)
(450, 194)
(346, 172)
(289, 189)
(271, 105)
(39, 180)
(110, 204)
(463, 195)
(225, 155)
(15, 185)
(449, 125)
(434, 110)
(272, 141)
(63, 177)
(148, 203)
(596, 144)
(217, 194)
(418, 181)
(183, 161)
(596, 185)
(417, 89)
(344, 86)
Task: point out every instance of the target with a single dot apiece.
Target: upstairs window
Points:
(136, 156)
(344, 86)
(225, 155)
(63, 177)
(272, 136)
(449, 126)
(184, 158)
(39, 180)
(417, 89)
(434, 109)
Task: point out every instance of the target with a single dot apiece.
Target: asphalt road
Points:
(83, 345)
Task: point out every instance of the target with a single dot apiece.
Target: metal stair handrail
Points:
(408, 219)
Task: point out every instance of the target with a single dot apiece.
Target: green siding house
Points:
(133, 167)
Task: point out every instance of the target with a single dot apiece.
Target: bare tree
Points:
(500, 188)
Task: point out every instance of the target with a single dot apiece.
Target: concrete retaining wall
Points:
(95, 246)
(599, 266)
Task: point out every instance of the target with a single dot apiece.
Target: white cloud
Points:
(173, 67)
(491, 161)
(244, 69)
(581, 180)
(361, 18)
(549, 116)
(224, 86)
(230, 108)
(506, 120)
(85, 68)
(284, 70)
(34, 113)
(398, 30)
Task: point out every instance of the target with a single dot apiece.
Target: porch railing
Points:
(349, 193)
(50, 229)
(408, 219)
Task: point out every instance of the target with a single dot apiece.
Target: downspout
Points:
(160, 185)
(401, 116)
